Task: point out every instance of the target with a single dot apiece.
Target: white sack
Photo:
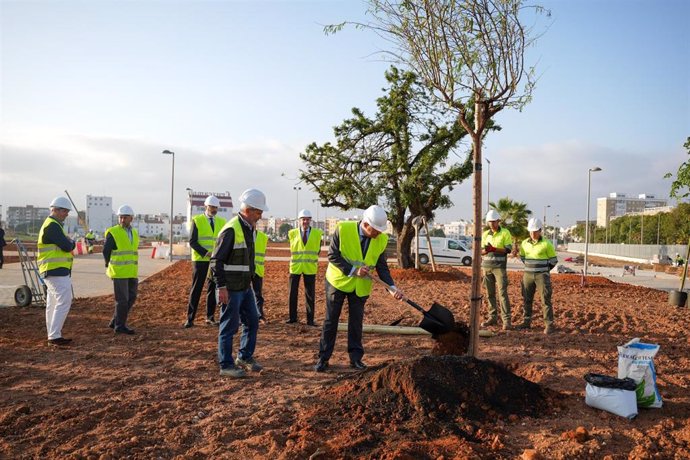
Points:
(619, 402)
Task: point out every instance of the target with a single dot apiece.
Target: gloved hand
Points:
(488, 248)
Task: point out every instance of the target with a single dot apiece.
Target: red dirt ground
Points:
(158, 394)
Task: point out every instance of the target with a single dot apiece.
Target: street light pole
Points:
(589, 187)
(172, 193)
(296, 189)
(544, 222)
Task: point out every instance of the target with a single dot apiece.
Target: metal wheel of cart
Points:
(34, 289)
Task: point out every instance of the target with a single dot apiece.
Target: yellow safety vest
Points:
(351, 251)
(260, 244)
(50, 256)
(539, 256)
(501, 239)
(304, 259)
(124, 261)
(206, 237)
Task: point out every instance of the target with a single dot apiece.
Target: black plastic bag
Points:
(604, 381)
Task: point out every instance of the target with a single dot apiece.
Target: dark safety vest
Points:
(237, 275)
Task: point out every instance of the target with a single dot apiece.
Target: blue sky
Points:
(93, 91)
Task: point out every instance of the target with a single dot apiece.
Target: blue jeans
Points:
(241, 307)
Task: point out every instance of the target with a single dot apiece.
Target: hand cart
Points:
(34, 288)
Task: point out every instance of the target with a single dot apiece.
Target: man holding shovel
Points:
(356, 248)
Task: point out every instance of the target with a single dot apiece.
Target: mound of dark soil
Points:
(425, 398)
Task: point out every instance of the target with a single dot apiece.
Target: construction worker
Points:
(54, 262)
(203, 232)
(121, 255)
(496, 243)
(356, 248)
(258, 279)
(539, 258)
(679, 260)
(90, 240)
(305, 245)
(232, 266)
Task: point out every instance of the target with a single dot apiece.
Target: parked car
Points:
(446, 251)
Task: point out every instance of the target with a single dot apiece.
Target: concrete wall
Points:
(643, 253)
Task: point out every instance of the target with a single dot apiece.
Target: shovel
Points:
(437, 320)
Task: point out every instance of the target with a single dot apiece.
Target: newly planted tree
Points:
(472, 54)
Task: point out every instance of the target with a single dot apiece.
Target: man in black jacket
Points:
(232, 267)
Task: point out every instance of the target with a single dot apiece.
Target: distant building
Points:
(26, 215)
(195, 204)
(99, 213)
(456, 229)
(619, 204)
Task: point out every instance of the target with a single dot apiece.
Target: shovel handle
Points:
(391, 288)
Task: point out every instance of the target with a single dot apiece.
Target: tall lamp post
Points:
(544, 223)
(589, 187)
(296, 189)
(555, 232)
(172, 192)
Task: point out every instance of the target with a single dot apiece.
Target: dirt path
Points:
(158, 394)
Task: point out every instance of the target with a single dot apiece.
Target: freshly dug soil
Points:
(158, 394)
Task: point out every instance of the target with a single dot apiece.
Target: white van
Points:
(446, 251)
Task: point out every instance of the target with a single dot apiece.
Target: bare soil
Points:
(158, 394)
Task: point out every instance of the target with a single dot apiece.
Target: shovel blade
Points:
(438, 320)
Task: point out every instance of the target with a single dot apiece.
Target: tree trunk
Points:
(404, 244)
(475, 296)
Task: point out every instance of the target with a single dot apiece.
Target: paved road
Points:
(88, 275)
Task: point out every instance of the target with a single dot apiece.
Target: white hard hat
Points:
(304, 213)
(125, 210)
(376, 217)
(253, 198)
(61, 202)
(492, 215)
(534, 224)
(212, 201)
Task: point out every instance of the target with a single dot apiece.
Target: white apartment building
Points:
(99, 213)
(619, 204)
(195, 204)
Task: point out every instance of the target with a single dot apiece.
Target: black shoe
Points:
(59, 341)
(312, 323)
(290, 321)
(187, 324)
(211, 322)
(359, 365)
(321, 365)
(124, 330)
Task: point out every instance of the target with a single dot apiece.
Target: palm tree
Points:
(514, 216)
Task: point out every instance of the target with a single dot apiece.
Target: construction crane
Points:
(81, 221)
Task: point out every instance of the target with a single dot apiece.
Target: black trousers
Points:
(258, 287)
(125, 296)
(309, 290)
(199, 277)
(355, 316)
